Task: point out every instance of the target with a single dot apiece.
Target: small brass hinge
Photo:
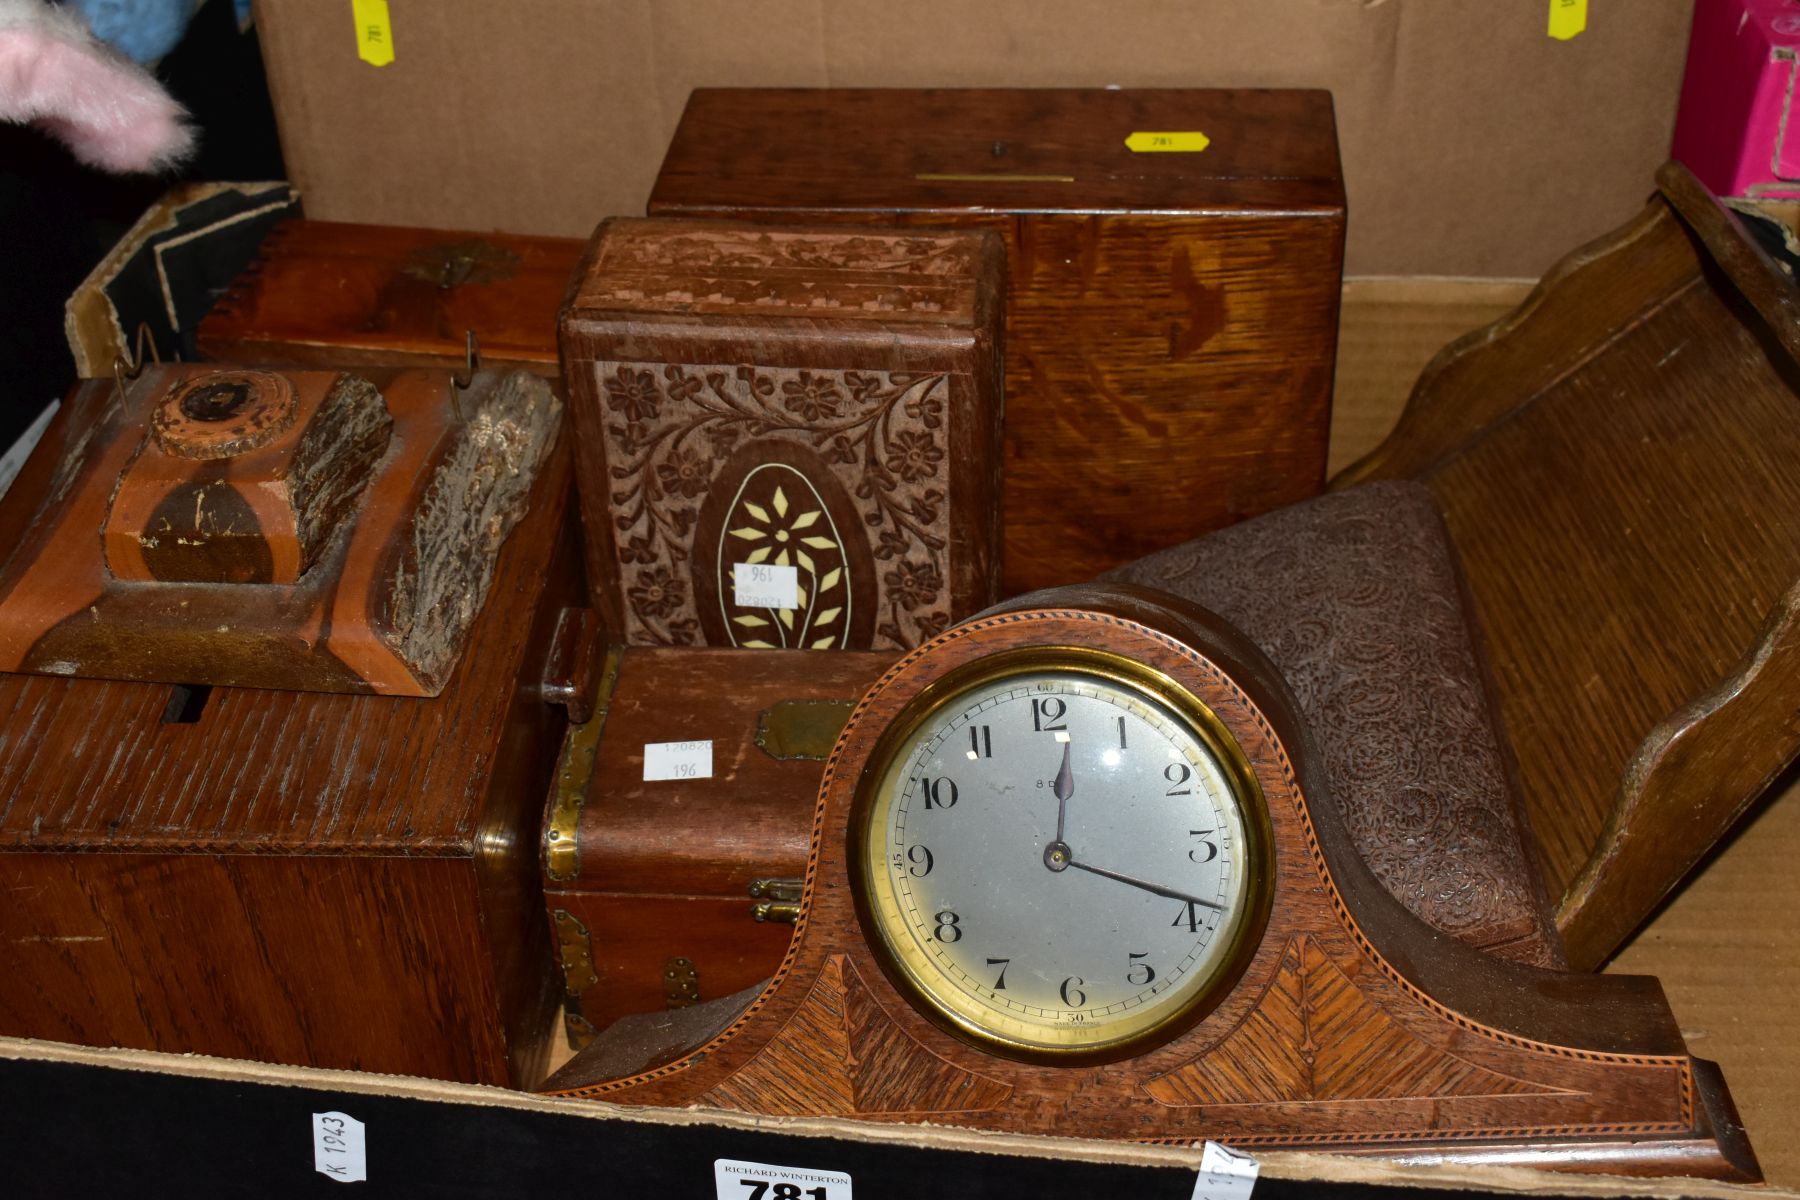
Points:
(577, 1028)
(575, 951)
(777, 900)
(681, 983)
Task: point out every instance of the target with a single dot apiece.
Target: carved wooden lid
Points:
(651, 265)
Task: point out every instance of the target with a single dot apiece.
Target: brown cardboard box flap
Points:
(1473, 143)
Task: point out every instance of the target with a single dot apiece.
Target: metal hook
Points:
(471, 364)
(131, 367)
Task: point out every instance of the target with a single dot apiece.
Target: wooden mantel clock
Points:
(1076, 870)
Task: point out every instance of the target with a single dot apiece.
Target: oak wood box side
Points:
(814, 400)
(321, 879)
(1172, 317)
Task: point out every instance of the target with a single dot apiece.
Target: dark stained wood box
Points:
(639, 873)
(321, 293)
(816, 402)
(1172, 316)
(328, 880)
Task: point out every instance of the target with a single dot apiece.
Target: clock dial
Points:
(1061, 856)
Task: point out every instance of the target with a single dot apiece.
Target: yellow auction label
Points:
(1190, 141)
(1567, 18)
(374, 34)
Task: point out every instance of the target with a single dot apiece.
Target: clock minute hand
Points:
(1157, 888)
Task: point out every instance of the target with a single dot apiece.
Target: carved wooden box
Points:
(651, 885)
(1174, 260)
(821, 405)
(323, 879)
(322, 293)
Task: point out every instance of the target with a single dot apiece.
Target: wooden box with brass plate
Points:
(214, 838)
(663, 891)
(789, 438)
(1077, 869)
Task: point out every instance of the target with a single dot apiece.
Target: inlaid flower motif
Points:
(632, 393)
(782, 533)
(685, 473)
(914, 455)
(913, 584)
(815, 398)
(658, 593)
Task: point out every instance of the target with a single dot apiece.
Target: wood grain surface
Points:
(1171, 317)
(328, 880)
(1353, 1027)
(1614, 462)
(327, 294)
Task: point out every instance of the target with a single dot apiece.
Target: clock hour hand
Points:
(1064, 787)
(1157, 888)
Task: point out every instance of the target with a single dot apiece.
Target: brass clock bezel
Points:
(961, 1015)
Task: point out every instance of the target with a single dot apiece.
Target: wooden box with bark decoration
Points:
(788, 438)
(213, 838)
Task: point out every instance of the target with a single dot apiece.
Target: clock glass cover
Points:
(1058, 854)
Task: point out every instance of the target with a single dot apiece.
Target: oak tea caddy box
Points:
(1174, 261)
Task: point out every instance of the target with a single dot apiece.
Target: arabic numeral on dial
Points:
(949, 927)
(1047, 714)
(921, 860)
(1189, 916)
(1178, 773)
(981, 741)
(1206, 843)
(1002, 963)
(1072, 995)
(1148, 972)
(939, 792)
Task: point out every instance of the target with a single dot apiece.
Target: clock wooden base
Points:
(1352, 1026)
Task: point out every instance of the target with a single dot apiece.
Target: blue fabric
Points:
(142, 30)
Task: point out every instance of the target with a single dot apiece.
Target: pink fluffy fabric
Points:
(110, 112)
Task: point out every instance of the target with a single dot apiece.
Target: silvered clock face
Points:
(1061, 860)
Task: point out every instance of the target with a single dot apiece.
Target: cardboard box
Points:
(1473, 143)
(1727, 950)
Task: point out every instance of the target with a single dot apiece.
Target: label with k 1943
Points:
(739, 1180)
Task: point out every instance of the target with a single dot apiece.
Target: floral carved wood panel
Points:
(840, 474)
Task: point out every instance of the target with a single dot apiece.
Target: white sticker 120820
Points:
(764, 585)
(677, 760)
(338, 1148)
(739, 1180)
(1225, 1174)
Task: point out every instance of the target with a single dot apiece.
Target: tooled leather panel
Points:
(1355, 597)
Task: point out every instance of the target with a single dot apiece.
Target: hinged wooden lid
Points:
(750, 818)
(1003, 150)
